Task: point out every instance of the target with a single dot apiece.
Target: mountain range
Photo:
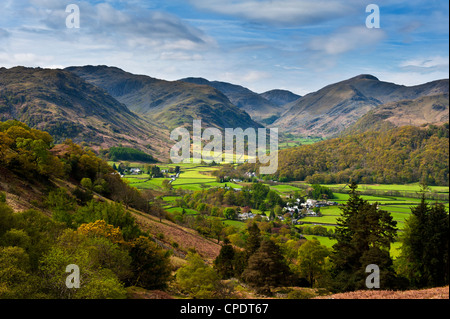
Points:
(170, 103)
(105, 106)
(258, 106)
(335, 107)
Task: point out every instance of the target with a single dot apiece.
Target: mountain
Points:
(335, 107)
(280, 97)
(66, 106)
(256, 105)
(432, 109)
(170, 103)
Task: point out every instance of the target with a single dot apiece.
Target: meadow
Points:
(286, 142)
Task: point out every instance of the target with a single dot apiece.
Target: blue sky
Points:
(299, 45)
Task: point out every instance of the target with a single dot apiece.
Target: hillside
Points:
(335, 107)
(431, 293)
(170, 103)
(66, 106)
(27, 185)
(258, 106)
(432, 109)
(400, 155)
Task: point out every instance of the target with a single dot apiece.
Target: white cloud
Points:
(411, 78)
(430, 62)
(281, 12)
(180, 56)
(346, 39)
(253, 76)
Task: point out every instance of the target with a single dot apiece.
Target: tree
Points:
(224, 262)
(156, 171)
(101, 264)
(364, 234)
(312, 256)
(86, 183)
(150, 264)
(254, 239)
(424, 256)
(196, 278)
(217, 228)
(229, 213)
(267, 268)
(16, 279)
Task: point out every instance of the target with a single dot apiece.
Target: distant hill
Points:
(406, 154)
(280, 97)
(258, 106)
(335, 107)
(170, 103)
(66, 106)
(432, 109)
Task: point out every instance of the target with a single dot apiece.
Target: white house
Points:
(135, 171)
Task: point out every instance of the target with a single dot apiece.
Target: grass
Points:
(180, 210)
(236, 223)
(329, 242)
(284, 188)
(326, 241)
(296, 141)
(413, 187)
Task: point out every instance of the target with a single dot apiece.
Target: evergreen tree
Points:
(436, 257)
(224, 262)
(364, 234)
(424, 256)
(253, 240)
(267, 268)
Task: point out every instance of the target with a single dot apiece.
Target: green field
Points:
(297, 141)
(194, 177)
(180, 210)
(413, 187)
(329, 242)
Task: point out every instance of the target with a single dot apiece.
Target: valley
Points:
(85, 150)
(397, 199)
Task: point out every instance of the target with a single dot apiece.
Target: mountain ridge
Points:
(66, 106)
(170, 103)
(256, 105)
(337, 106)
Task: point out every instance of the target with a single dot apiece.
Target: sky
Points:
(297, 45)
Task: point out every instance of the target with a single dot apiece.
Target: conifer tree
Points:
(267, 268)
(424, 258)
(224, 262)
(364, 234)
(253, 240)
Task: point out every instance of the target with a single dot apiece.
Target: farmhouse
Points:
(135, 171)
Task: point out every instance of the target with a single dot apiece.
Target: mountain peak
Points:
(365, 77)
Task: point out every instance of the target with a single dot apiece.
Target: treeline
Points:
(128, 154)
(401, 155)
